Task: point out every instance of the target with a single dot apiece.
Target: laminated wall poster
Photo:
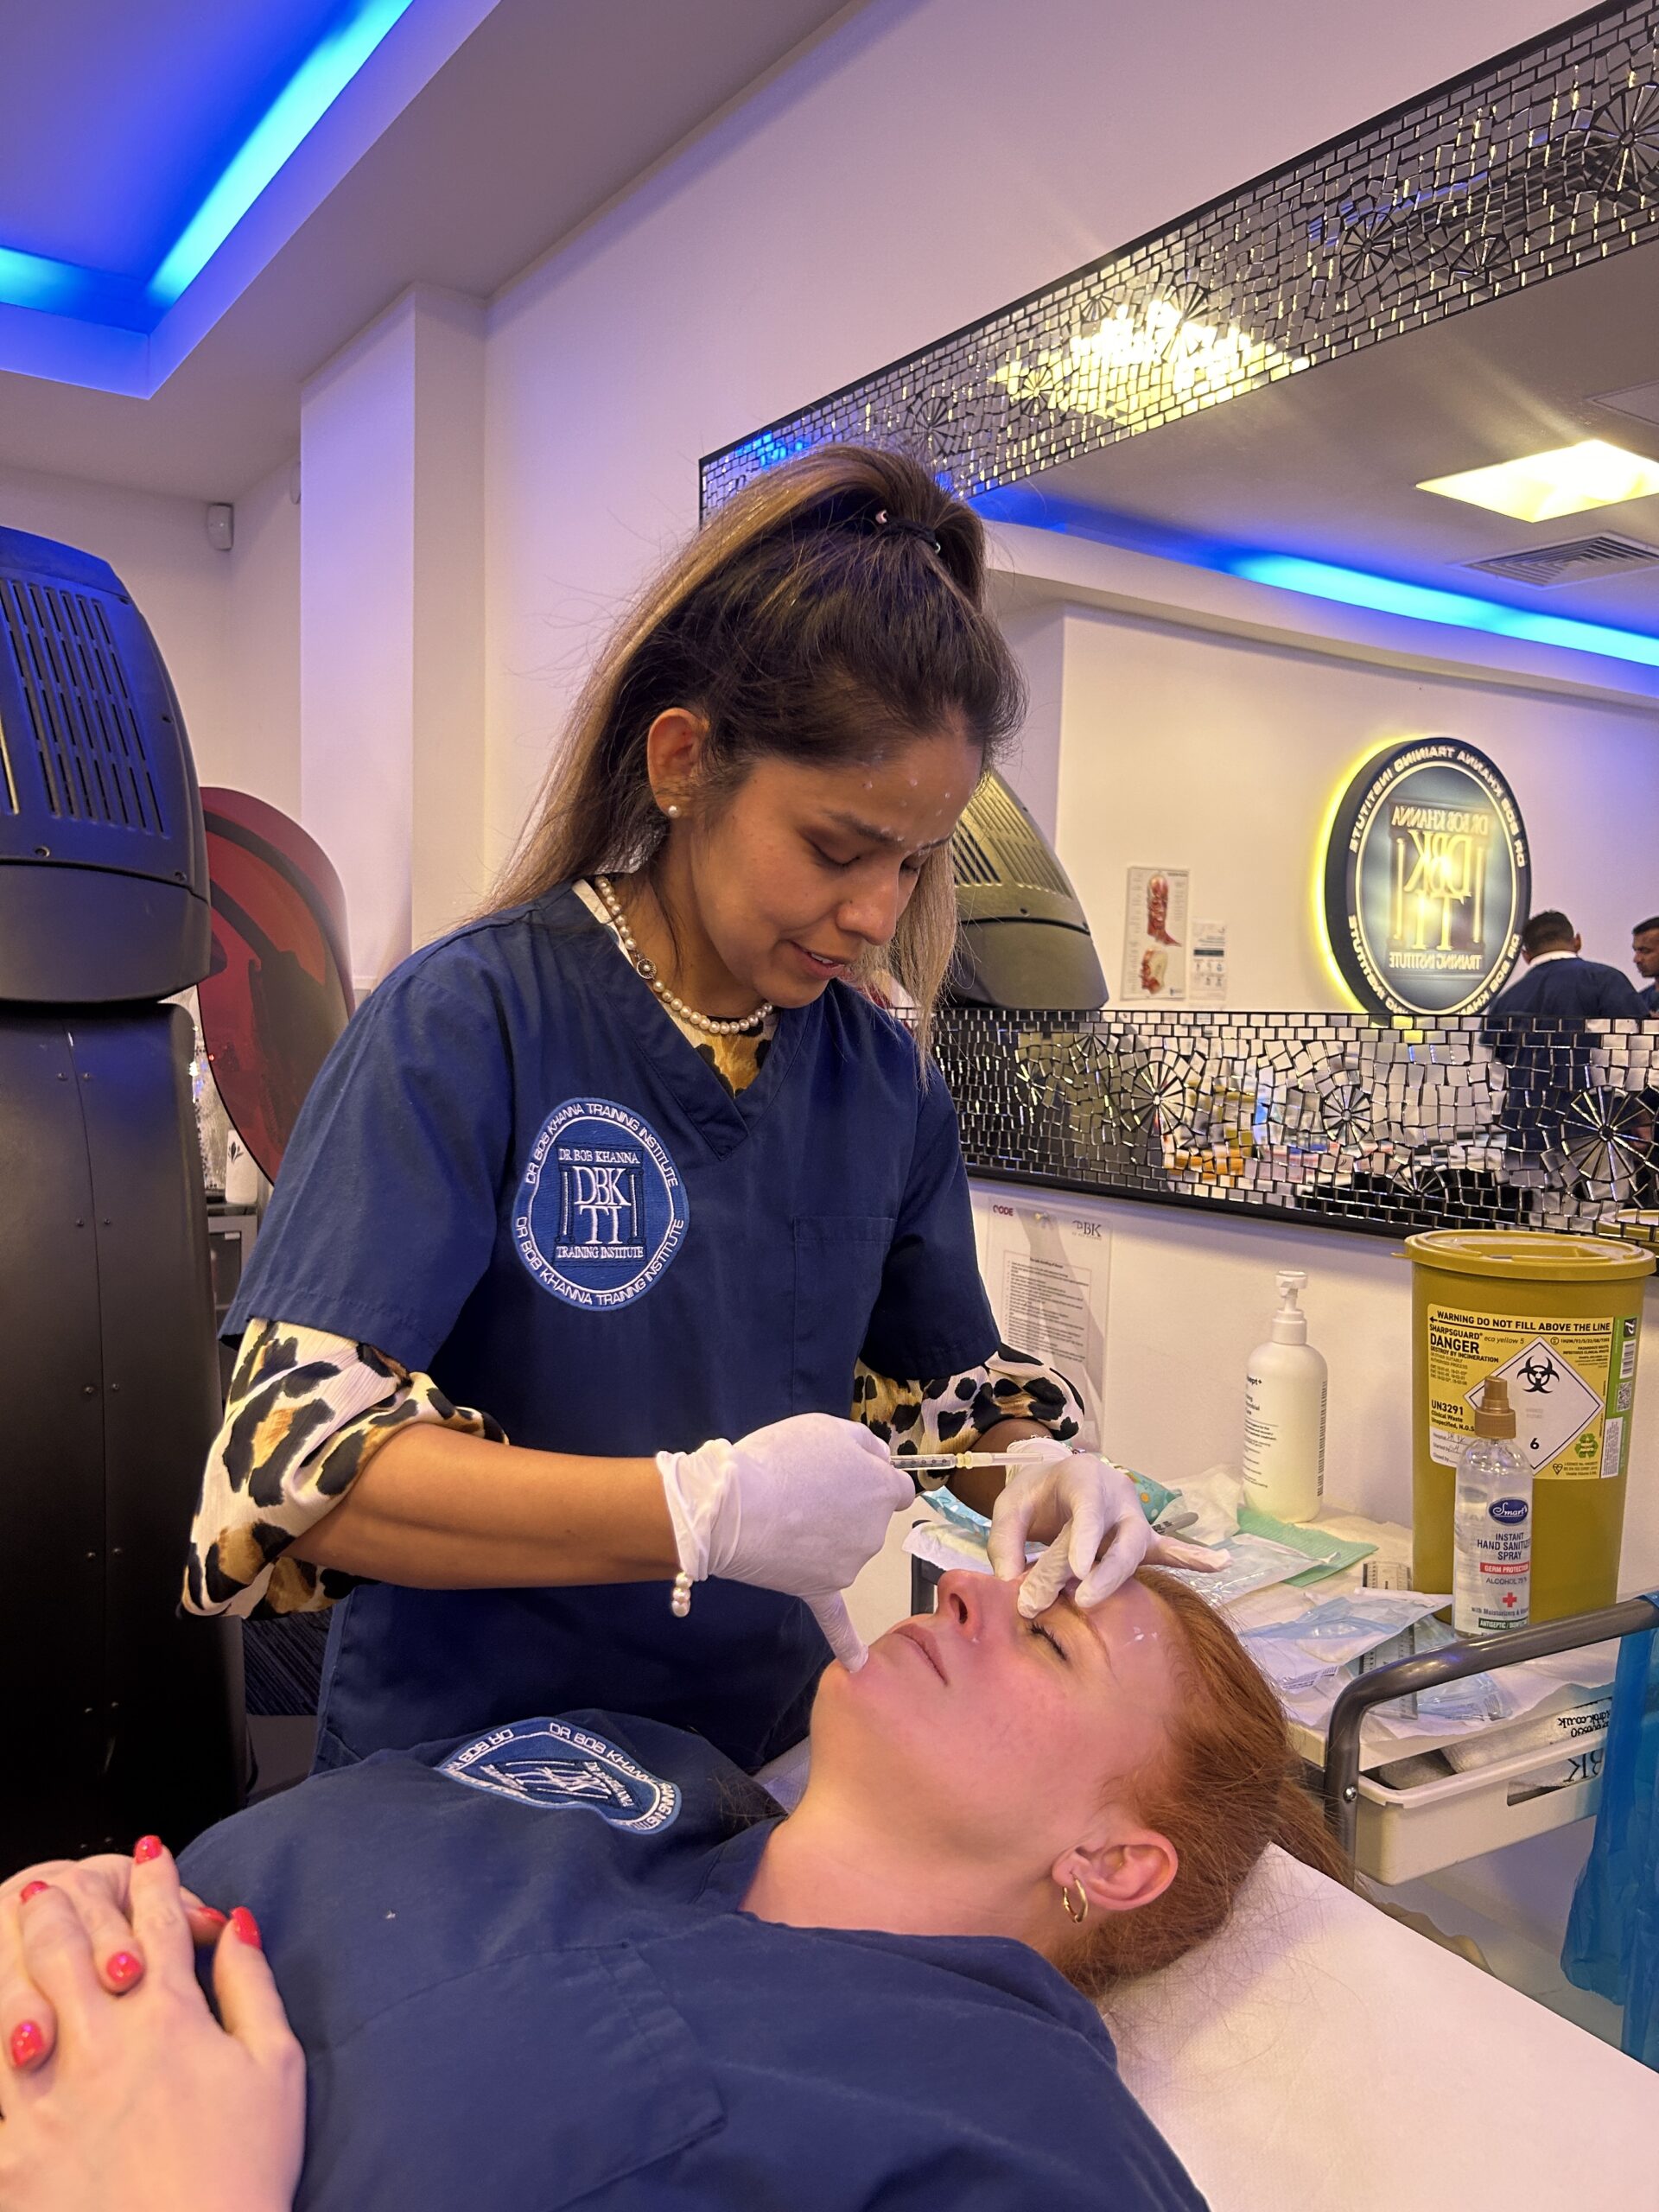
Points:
(1156, 937)
(1048, 1269)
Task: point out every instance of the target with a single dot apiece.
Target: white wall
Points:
(1186, 750)
(226, 623)
(391, 720)
(1189, 1295)
(261, 752)
(158, 547)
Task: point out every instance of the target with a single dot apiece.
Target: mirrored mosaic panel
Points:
(1505, 1121)
(1532, 166)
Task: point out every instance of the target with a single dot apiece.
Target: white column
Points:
(391, 727)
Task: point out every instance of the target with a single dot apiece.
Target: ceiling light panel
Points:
(1543, 486)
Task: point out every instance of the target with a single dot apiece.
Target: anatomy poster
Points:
(1156, 937)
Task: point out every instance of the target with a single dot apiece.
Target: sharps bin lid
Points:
(1532, 1255)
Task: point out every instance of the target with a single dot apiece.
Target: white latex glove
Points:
(1097, 1508)
(799, 1506)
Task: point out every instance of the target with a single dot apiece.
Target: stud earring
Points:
(672, 812)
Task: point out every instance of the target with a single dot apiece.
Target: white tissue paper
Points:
(1210, 1505)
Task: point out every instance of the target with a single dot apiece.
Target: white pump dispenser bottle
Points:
(1284, 1414)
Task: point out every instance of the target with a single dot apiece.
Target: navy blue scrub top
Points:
(521, 1976)
(515, 1172)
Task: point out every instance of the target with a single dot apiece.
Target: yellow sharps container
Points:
(1560, 1318)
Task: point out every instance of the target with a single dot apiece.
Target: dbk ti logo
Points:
(602, 1210)
(599, 1203)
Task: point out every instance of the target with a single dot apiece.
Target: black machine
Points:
(119, 1715)
(1024, 939)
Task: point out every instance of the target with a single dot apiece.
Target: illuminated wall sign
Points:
(1426, 880)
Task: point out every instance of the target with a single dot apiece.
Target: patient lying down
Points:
(585, 1961)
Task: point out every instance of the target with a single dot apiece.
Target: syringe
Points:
(932, 1470)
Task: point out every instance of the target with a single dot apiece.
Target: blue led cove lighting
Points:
(309, 93)
(29, 280)
(1354, 587)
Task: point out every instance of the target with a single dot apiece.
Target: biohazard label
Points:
(1570, 1384)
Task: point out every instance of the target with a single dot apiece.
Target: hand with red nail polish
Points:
(146, 2100)
(98, 1889)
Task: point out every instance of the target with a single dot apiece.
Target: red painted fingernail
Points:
(146, 1848)
(31, 1889)
(124, 1970)
(246, 1927)
(212, 1912)
(28, 2045)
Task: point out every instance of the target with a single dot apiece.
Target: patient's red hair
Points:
(1228, 1785)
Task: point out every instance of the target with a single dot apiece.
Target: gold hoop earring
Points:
(1080, 1912)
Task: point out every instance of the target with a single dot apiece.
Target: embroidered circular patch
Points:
(602, 1210)
(551, 1764)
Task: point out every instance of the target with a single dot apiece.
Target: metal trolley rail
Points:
(1477, 1654)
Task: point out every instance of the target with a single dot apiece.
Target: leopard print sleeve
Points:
(951, 1412)
(306, 1413)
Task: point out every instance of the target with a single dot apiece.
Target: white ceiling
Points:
(543, 115)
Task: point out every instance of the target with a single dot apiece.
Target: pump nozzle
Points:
(1494, 1415)
(1290, 1323)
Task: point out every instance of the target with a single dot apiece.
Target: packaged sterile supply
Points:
(1492, 1585)
(1285, 1386)
(1580, 1732)
(1295, 1653)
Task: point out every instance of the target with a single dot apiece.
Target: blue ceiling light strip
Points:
(1030, 505)
(1420, 603)
(29, 280)
(309, 93)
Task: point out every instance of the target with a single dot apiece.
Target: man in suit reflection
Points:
(1537, 1028)
(1644, 957)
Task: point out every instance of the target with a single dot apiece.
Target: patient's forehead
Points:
(1133, 1627)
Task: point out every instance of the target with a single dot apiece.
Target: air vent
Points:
(87, 737)
(1572, 563)
(995, 842)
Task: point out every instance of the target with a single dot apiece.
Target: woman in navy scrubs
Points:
(634, 1164)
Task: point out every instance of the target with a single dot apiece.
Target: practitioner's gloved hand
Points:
(1090, 1511)
(799, 1506)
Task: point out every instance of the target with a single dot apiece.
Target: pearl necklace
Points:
(647, 970)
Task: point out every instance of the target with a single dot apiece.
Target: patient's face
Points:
(981, 1730)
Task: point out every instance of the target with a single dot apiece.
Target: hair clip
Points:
(903, 527)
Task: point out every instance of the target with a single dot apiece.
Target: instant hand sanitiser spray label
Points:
(1572, 1383)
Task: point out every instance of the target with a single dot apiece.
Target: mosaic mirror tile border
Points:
(1330, 1119)
(1532, 166)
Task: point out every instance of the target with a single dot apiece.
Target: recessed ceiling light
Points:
(1542, 486)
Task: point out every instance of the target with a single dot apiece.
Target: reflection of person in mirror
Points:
(1157, 915)
(1154, 969)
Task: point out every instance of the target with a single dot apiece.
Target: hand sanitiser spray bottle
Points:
(1284, 1415)
(1491, 1568)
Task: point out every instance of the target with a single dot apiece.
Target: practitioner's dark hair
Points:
(1641, 929)
(1227, 1785)
(834, 606)
(1549, 932)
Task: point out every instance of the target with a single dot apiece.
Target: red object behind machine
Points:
(279, 990)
